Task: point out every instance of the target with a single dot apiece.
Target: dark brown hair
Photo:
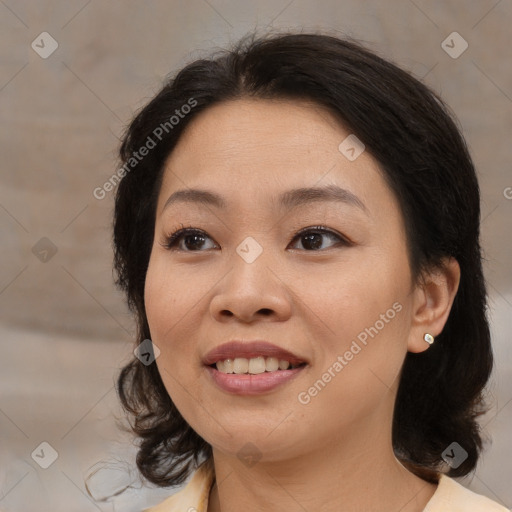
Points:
(424, 158)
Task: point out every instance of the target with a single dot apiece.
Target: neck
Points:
(359, 471)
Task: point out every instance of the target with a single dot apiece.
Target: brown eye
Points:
(313, 238)
(193, 240)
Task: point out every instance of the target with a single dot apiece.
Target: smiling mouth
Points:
(254, 376)
(254, 366)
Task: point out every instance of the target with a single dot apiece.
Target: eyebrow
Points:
(289, 199)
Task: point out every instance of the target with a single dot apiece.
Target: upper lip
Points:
(248, 349)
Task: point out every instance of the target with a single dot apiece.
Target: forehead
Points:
(248, 129)
(253, 149)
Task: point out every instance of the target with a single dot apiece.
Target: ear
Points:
(432, 303)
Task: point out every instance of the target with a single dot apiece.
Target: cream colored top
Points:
(450, 496)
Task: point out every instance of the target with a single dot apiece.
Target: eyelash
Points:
(174, 237)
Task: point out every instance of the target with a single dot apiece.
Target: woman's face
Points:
(341, 300)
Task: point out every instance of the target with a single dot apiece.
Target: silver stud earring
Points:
(428, 338)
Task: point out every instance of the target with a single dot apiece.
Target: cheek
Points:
(360, 372)
(175, 308)
(167, 303)
(350, 299)
(363, 318)
(167, 298)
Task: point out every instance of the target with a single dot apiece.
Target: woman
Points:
(297, 233)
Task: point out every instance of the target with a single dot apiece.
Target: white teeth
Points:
(241, 365)
(257, 365)
(271, 364)
(254, 365)
(283, 365)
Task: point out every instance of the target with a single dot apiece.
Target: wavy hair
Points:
(414, 137)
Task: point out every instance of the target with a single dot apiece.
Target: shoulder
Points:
(453, 497)
(193, 497)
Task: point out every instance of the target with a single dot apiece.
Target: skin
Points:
(335, 452)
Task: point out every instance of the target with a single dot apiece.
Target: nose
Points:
(252, 292)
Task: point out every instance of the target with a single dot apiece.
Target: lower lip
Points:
(245, 384)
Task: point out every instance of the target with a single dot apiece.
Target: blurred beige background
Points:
(65, 330)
